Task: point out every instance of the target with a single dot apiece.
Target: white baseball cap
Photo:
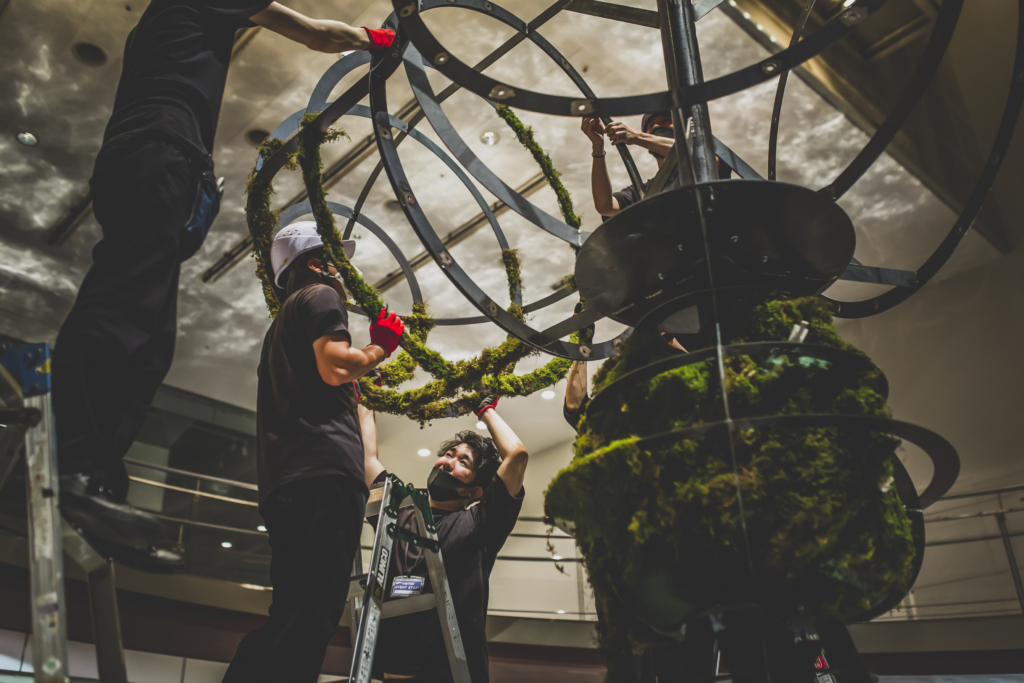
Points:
(293, 241)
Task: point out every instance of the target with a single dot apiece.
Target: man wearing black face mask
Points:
(655, 135)
(469, 468)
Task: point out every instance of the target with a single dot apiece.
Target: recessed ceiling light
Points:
(561, 611)
(261, 528)
(847, 3)
(225, 544)
(556, 557)
(424, 452)
(490, 138)
(27, 139)
(547, 394)
(89, 54)
(256, 136)
(481, 425)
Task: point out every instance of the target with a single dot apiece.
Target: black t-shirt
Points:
(175, 66)
(412, 644)
(627, 196)
(305, 427)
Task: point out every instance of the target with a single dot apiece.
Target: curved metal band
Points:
(1014, 100)
(384, 64)
(412, 25)
(605, 399)
(938, 42)
(773, 132)
(428, 236)
(529, 308)
(941, 452)
(439, 121)
(303, 208)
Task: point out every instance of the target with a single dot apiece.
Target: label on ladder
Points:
(407, 585)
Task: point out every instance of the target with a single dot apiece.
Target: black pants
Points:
(314, 526)
(116, 344)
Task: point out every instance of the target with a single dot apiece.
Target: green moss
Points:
(819, 531)
(457, 386)
(524, 134)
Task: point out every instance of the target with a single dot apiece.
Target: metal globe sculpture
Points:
(742, 498)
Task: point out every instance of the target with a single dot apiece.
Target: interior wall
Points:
(952, 354)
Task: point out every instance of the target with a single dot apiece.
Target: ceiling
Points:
(950, 359)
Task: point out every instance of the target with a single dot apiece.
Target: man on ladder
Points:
(309, 459)
(474, 511)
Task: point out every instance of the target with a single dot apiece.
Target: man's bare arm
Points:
(339, 363)
(371, 462)
(322, 35)
(576, 385)
(600, 183)
(513, 453)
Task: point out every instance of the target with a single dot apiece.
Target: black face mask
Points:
(661, 133)
(443, 486)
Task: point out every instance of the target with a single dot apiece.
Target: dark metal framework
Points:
(687, 97)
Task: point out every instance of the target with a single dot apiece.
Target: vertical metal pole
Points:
(355, 602)
(46, 558)
(581, 595)
(683, 68)
(106, 623)
(1010, 556)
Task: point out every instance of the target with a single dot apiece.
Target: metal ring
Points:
(1011, 112)
(604, 399)
(542, 340)
(461, 73)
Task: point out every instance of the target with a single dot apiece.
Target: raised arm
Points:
(576, 385)
(368, 425)
(600, 183)
(513, 453)
(322, 35)
(338, 362)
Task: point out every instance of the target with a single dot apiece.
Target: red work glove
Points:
(386, 331)
(379, 37)
(488, 402)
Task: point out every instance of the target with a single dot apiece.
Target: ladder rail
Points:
(442, 592)
(370, 606)
(46, 557)
(365, 642)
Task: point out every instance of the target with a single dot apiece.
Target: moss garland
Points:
(524, 134)
(658, 524)
(457, 386)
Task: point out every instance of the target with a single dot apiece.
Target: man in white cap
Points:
(309, 458)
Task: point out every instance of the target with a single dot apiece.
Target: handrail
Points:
(1008, 489)
(205, 477)
(202, 494)
(972, 515)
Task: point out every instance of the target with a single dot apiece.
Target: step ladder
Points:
(366, 593)
(26, 410)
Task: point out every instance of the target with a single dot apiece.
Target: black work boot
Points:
(93, 505)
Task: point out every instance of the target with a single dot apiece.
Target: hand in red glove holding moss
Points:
(386, 331)
(488, 402)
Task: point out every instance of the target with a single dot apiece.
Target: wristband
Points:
(599, 156)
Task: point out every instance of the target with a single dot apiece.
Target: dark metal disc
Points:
(761, 234)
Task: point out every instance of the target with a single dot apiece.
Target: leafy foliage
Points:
(659, 521)
(456, 386)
